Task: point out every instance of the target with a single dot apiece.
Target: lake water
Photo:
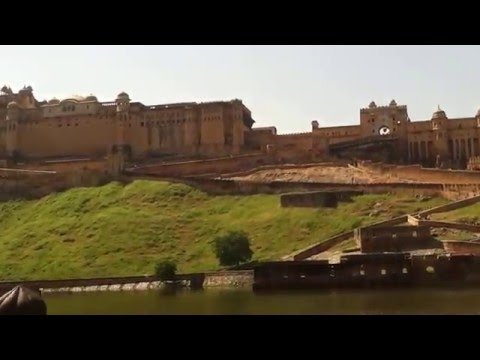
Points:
(230, 302)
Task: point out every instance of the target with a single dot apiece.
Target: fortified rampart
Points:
(82, 126)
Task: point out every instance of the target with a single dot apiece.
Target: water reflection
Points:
(244, 302)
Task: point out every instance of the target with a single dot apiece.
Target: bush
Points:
(233, 248)
(166, 270)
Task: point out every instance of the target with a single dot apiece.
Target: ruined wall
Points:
(392, 238)
(65, 165)
(198, 167)
(450, 207)
(26, 184)
(449, 225)
(313, 199)
(230, 187)
(420, 174)
(284, 166)
(318, 248)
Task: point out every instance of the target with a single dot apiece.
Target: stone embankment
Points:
(143, 286)
(229, 279)
(237, 278)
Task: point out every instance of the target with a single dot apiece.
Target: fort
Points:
(51, 146)
(81, 127)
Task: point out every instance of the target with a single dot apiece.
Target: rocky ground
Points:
(343, 175)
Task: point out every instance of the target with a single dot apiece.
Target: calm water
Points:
(210, 302)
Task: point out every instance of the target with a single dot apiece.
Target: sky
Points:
(284, 86)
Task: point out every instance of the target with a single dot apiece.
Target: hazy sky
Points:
(285, 86)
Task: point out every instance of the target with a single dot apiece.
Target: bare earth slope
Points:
(343, 175)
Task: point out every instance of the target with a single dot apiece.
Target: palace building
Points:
(83, 126)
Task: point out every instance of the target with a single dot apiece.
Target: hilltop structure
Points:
(84, 126)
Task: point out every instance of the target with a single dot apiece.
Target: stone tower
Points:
(391, 120)
(122, 118)
(13, 117)
(440, 138)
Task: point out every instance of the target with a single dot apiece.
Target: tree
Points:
(166, 270)
(233, 248)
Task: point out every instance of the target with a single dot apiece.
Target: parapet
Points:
(376, 108)
(296, 134)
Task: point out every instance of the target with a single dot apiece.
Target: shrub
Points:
(165, 270)
(233, 248)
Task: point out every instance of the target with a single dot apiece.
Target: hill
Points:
(118, 230)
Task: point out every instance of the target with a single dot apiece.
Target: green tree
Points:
(165, 270)
(233, 248)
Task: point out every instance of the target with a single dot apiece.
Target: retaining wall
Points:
(337, 239)
(418, 173)
(198, 167)
(313, 199)
(450, 206)
(210, 279)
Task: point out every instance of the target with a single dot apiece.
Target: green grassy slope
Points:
(469, 215)
(118, 230)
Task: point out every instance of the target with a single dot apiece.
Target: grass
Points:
(118, 230)
(468, 215)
